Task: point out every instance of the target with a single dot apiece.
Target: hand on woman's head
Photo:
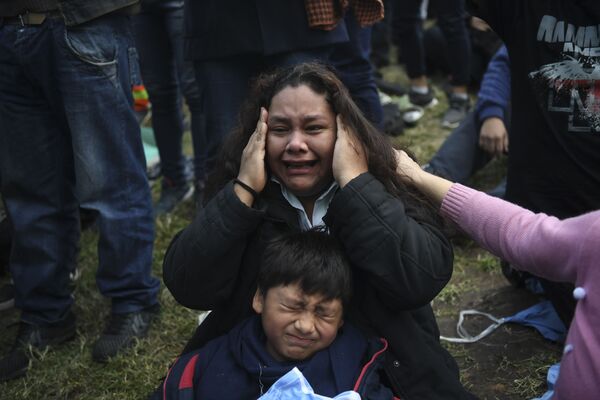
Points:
(406, 167)
(349, 157)
(252, 167)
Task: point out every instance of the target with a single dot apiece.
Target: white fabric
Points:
(294, 386)
(319, 210)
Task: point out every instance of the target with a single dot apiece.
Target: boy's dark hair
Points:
(312, 259)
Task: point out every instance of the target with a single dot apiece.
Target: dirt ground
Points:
(510, 363)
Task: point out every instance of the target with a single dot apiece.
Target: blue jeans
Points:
(159, 38)
(460, 156)
(69, 137)
(352, 60)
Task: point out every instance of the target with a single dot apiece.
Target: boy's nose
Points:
(305, 324)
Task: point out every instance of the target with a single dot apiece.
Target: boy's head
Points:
(303, 284)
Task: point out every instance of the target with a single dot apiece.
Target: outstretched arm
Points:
(537, 243)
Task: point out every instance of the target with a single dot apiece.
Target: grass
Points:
(492, 369)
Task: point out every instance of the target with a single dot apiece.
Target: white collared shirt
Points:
(319, 210)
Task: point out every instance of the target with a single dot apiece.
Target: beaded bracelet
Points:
(246, 188)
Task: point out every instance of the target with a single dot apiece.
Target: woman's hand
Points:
(252, 168)
(432, 186)
(349, 158)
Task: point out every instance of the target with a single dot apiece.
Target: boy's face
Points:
(297, 325)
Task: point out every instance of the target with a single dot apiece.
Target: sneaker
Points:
(7, 296)
(122, 331)
(171, 196)
(16, 363)
(457, 111)
(422, 100)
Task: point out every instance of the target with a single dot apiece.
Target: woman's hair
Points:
(322, 80)
(312, 259)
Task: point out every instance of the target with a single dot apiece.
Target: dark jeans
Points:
(408, 30)
(159, 38)
(460, 156)
(225, 83)
(69, 137)
(352, 60)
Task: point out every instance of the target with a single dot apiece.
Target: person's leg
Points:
(159, 71)
(224, 86)
(452, 22)
(460, 156)
(97, 69)
(407, 29)
(38, 188)
(351, 59)
(190, 89)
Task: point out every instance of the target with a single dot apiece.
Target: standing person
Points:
(566, 251)
(69, 137)
(313, 159)
(554, 156)
(408, 30)
(232, 41)
(159, 38)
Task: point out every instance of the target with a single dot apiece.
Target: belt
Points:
(30, 18)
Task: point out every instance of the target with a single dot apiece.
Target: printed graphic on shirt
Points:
(573, 83)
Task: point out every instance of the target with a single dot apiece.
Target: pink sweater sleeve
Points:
(542, 245)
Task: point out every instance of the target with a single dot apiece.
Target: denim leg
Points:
(186, 77)
(460, 156)
(224, 86)
(352, 60)
(159, 72)
(407, 29)
(451, 20)
(96, 66)
(37, 175)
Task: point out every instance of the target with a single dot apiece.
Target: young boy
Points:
(303, 285)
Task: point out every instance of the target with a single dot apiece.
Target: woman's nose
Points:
(296, 142)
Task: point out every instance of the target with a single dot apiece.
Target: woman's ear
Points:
(258, 301)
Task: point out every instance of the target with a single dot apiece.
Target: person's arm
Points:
(407, 262)
(202, 262)
(537, 243)
(492, 105)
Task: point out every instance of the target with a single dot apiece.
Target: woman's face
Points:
(300, 140)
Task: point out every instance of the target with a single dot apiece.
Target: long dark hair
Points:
(322, 80)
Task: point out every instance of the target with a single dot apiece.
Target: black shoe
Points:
(422, 100)
(457, 111)
(122, 331)
(171, 196)
(16, 363)
(7, 296)
(390, 88)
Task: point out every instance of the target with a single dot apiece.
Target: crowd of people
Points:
(316, 244)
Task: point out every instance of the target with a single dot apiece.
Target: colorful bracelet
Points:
(246, 188)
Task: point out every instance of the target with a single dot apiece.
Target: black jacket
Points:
(237, 366)
(225, 28)
(399, 266)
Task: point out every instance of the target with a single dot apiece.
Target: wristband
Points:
(246, 188)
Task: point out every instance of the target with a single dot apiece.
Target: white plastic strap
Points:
(466, 337)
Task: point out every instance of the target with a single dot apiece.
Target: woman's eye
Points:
(314, 128)
(278, 129)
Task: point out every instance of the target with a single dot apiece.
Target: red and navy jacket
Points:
(237, 366)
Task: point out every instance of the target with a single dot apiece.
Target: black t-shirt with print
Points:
(554, 49)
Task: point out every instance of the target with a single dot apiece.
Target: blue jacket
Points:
(237, 366)
(494, 94)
